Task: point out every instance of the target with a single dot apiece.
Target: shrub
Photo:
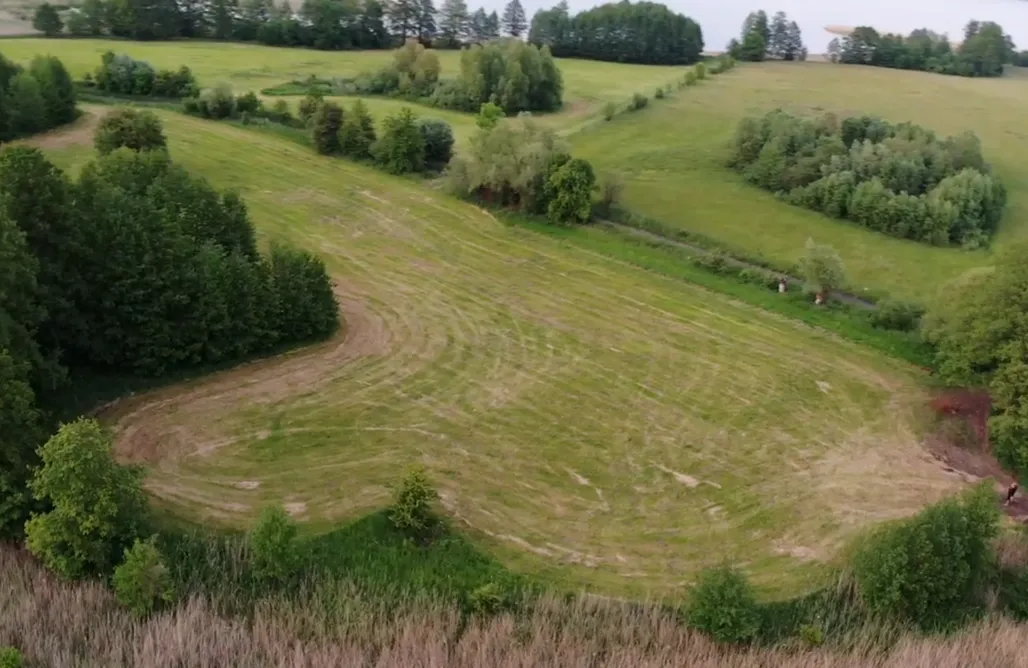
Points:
(931, 570)
(569, 192)
(248, 103)
(280, 113)
(659, 94)
(609, 111)
(812, 635)
(274, 555)
(612, 187)
(489, 599)
(723, 605)
(401, 148)
(639, 101)
(142, 582)
(327, 122)
(124, 75)
(305, 304)
(357, 135)
(97, 506)
(701, 71)
(309, 106)
(219, 103)
(690, 79)
(11, 658)
(438, 136)
(411, 512)
(488, 116)
(898, 315)
(129, 128)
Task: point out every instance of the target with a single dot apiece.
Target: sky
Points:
(721, 19)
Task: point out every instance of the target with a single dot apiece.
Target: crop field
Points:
(673, 156)
(588, 421)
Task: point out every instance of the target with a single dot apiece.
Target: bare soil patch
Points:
(79, 133)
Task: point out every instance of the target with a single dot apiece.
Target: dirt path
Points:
(78, 133)
(844, 297)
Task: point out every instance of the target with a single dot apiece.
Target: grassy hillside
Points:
(673, 154)
(588, 420)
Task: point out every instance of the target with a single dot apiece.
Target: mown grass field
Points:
(589, 421)
(673, 155)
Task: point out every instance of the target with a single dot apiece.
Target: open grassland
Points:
(62, 624)
(589, 421)
(673, 154)
(587, 84)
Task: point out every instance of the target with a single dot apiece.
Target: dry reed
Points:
(78, 625)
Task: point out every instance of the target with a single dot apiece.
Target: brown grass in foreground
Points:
(64, 625)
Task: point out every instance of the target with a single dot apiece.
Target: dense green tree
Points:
(26, 108)
(274, 549)
(983, 53)
(306, 305)
(569, 190)
(757, 22)
(20, 435)
(822, 269)
(514, 21)
(724, 605)
(643, 32)
(438, 137)
(328, 121)
(426, 22)
(491, 26)
(477, 27)
(401, 148)
(514, 75)
(753, 48)
(129, 128)
(56, 88)
(47, 21)
(97, 507)
(357, 135)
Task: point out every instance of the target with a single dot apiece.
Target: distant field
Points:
(673, 154)
(587, 84)
(589, 421)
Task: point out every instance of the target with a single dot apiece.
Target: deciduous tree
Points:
(47, 21)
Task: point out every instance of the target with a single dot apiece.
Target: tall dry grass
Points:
(78, 625)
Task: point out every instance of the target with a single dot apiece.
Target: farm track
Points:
(574, 411)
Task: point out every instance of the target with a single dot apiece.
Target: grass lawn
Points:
(673, 155)
(588, 421)
(587, 84)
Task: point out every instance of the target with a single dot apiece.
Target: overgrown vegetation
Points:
(900, 179)
(644, 32)
(35, 99)
(142, 582)
(984, 51)
(123, 75)
(510, 73)
(723, 605)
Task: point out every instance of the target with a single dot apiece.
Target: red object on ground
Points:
(972, 405)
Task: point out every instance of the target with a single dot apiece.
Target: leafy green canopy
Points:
(900, 179)
(33, 100)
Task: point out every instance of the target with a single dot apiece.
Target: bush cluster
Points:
(128, 128)
(36, 99)
(899, 179)
(123, 75)
(517, 164)
(510, 73)
(220, 104)
(724, 605)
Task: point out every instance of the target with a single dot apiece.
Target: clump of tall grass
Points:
(57, 623)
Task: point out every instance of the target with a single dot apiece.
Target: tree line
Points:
(35, 99)
(644, 32)
(134, 267)
(983, 53)
(900, 179)
(779, 39)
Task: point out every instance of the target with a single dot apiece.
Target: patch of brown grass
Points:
(61, 624)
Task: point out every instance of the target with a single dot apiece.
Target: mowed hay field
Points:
(673, 154)
(589, 421)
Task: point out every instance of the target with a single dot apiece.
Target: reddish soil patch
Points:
(961, 443)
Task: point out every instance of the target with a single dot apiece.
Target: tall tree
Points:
(778, 45)
(453, 22)
(551, 28)
(404, 17)
(47, 20)
(426, 22)
(478, 26)
(373, 33)
(220, 17)
(492, 26)
(514, 22)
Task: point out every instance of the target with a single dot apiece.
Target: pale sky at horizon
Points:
(721, 19)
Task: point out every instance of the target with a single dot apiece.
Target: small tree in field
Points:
(328, 121)
(357, 135)
(129, 128)
(723, 605)
(488, 116)
(822, 269)
(401, 148)
(273, 550)
(47, 20)
(411, 512)
(142, 582)
(438, 141)
(97, 505)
